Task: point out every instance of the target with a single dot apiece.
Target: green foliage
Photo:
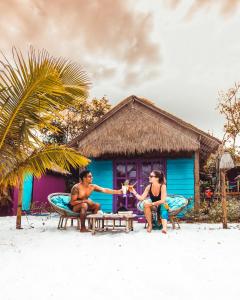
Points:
(32, 91)
(229, 107)
(76, 119)
(213, 214)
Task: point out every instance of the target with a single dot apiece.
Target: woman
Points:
(157, 194)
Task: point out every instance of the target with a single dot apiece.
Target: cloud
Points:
(102, 72)
(86, 31)
(230, 6)
(173, 3)
(225, 7)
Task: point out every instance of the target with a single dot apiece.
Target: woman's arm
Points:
(163, 196)
(100, 189)
(144, 194)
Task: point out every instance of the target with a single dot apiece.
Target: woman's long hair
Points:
(160, 175)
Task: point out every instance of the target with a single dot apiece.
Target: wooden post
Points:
(19, 207)
(224, 198)
(196, 181)
(227, 186)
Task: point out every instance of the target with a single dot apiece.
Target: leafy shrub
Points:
(214, 212)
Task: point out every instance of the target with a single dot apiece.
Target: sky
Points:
(178, 53)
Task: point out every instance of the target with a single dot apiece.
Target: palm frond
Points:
(42, 160)
(33, 88)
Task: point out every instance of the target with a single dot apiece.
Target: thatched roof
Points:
(137, 126)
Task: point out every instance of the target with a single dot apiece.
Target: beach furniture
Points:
(122, 221)
(175, 211)
(59, 203)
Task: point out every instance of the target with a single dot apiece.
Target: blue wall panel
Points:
(27, 192)
(180, 176)
(102, 171)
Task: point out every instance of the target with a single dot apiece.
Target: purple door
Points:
(135, 170)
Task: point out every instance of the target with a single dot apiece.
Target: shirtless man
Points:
(80, 193)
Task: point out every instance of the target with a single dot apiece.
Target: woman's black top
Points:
(155, 198)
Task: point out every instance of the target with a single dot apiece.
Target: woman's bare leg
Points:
(148, 215)
(164, 224)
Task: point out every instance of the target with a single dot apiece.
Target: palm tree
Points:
(32, 91)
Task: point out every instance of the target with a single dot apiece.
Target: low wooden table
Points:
(112, 222)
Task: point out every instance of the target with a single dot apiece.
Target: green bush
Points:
(214, 212)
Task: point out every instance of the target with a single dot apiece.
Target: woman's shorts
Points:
(162, 209)
(140, 204)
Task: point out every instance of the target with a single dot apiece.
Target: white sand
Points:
(200, 261)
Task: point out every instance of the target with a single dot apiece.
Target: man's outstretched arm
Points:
(105, 190)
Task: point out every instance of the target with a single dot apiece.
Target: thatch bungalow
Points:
(135, 137)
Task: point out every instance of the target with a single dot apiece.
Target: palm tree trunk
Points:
(19, 208)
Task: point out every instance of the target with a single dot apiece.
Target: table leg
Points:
(106, 225)
(127, 225)
(93, 226)
(102, 224)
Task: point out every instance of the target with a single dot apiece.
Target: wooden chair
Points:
(64, 213)
(173, 215)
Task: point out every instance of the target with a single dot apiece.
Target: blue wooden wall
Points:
(102, 171)
(180, 179)
(180, 176)
(27, 192)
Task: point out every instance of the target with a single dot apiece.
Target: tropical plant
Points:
(32, 92)
(76, 119)
(229, 107)
(213, 213)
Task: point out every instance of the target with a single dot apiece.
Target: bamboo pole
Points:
(224, 198)
(19, 207)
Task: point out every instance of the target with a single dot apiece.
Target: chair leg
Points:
(59, 222)
(71, 222)
(176, 219)
(61, 225)
(65, 225)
